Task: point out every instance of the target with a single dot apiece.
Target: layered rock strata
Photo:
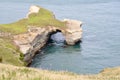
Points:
(36, 37)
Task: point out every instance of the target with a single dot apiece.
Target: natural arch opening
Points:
(56, 37)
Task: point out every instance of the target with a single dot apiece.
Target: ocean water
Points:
(100, 46)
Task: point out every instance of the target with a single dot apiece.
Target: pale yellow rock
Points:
(33, 9)
(73, 32)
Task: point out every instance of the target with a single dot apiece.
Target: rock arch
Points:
(36, 37)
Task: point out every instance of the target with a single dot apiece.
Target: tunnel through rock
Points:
(56, 38)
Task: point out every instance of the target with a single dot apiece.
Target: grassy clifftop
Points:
(41, 19)
(9, 72)
(9, 54)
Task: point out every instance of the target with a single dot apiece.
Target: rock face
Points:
(32, 41)
(36, 37)
(73, 32)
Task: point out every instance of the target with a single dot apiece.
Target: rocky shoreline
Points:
(31, 38)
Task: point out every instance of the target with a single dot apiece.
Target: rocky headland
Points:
(32, 33)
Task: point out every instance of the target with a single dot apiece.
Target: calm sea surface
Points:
(100, 46)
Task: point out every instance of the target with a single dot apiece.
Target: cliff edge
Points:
(32, 33)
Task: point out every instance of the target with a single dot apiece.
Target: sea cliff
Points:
(31, 33)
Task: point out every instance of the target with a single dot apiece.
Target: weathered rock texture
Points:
(73, 32)
(33, 9)
(36, 37)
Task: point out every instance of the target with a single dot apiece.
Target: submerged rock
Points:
(36, 37)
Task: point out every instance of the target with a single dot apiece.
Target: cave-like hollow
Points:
(56, 37)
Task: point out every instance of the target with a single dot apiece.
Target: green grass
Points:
(9, 72)
(15, 28)
(43, 18)
(9, 54)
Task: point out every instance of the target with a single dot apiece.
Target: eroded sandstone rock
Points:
(36, 37)
(73, 32)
